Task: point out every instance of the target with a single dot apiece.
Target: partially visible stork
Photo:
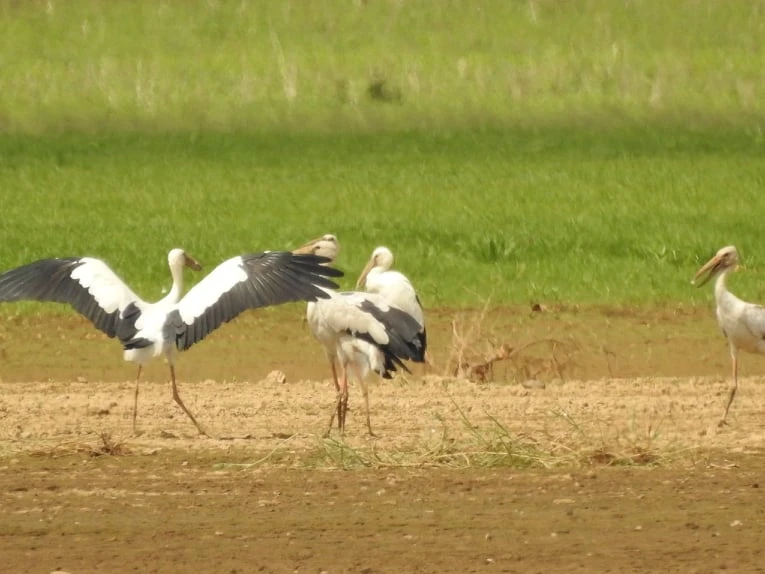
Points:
(742, 323)
(393, 286)
(361, 331)
(147, 330)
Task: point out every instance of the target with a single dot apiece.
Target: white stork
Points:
(147, 330)
(362, 331)
(742, 323)
(393, 286)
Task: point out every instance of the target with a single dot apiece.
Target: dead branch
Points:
(482, 369)
(462, 340)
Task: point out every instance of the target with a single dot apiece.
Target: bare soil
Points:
(593, 447)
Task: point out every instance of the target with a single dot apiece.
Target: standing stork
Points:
(742, 323)
(393, 286)
(147, 330)
(361, 331)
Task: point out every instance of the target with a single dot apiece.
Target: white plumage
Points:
(210, 289)
(148, 330)
(360, 331)
(393, 286)
(110, 293)
(742, 323)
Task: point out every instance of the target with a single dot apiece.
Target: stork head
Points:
(725, 259)
(325, 246)
(178, 259)
(382, 257)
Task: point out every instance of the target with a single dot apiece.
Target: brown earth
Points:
(616, 465)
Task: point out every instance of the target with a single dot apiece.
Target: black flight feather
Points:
(273, 278)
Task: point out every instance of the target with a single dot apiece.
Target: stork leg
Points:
(365, 392)
(428, 362)
(342, 401)
(733, 389)
(135, 397)
(178, 400)
(332, 361)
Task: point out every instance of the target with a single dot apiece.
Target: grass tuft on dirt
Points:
(108, 446)
(487, 445)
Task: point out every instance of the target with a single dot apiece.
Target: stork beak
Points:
(711, 268)
(307, 248)
(193, 263)
(365, 272)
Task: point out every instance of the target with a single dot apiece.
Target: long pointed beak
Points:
(193, 263)
(710, 267)
(307, 248)
(365, 272)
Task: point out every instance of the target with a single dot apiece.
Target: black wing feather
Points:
(51, 280)
(405, 340)
(273, 278)
(127, 330)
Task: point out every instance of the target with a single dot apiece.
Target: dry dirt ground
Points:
(616, 465)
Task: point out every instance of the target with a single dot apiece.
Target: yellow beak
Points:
(307, 248)
(710, 267)
(370, 265)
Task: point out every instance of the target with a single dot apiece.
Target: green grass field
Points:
(518, 217)
(576, 152)
(373, 64)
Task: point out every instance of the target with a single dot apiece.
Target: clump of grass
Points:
(336, 453)
(497, 446)
(108, 446)
(486, 443)
(380, 90)
(612, 448)
(636, 456)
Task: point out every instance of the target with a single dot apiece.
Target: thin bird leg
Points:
(135, 397)
(342, 401)
(178, 400)
(428, 362)
(732, 390)
(332, 361)
(365, 392)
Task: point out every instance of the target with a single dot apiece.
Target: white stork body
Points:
(328, 323)
(152, 315)
(93, 289)
(742, 323)
(393, 286)
(362, 332)
(147, 330)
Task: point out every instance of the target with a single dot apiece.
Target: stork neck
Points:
(720, 288)
(174, 295)
(373, 277)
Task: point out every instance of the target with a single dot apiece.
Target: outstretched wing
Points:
(247, 282)
(85, 283)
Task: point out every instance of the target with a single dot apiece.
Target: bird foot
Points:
(723, 423)
(328, 432)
